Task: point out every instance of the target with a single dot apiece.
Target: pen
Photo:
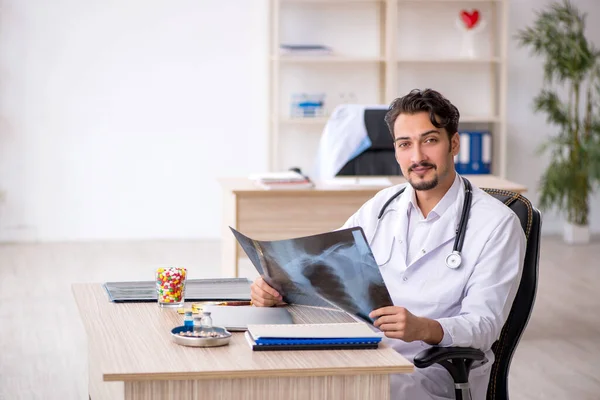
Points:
(235, 303)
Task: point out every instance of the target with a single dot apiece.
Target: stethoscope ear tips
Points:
(453, 260)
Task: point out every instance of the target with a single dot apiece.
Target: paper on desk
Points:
(277, 176)
(359, 181)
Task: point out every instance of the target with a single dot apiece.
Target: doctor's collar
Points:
(442, 206)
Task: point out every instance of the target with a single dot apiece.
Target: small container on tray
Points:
(183, 335)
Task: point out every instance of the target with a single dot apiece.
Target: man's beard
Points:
(425, 185)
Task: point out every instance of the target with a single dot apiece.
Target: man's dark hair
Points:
(442, 113)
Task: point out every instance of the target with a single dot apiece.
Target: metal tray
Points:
(222, 340)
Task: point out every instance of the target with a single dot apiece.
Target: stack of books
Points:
(355, 335)
(282, 181)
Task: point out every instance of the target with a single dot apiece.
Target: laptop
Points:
(237, 318)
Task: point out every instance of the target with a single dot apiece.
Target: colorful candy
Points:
(170, 285)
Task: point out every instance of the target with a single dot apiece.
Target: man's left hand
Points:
(399, 323)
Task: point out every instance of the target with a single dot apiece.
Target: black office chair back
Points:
(379, 158)
(520, 312)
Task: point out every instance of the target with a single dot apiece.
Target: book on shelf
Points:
(289, 180)
(305, 50)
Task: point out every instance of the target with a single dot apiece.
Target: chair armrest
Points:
(456, 360)
(437, 354)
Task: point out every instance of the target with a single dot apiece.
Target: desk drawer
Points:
(292, 215)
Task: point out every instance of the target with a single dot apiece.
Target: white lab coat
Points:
(471, 302)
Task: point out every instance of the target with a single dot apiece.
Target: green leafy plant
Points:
(571, 100)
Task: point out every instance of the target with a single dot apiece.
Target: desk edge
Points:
(339, 371)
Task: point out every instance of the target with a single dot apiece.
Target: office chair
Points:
(458, 360)
(379, 158)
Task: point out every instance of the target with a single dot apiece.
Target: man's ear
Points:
(455, 144)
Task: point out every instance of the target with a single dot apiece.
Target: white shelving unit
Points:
(381, 50)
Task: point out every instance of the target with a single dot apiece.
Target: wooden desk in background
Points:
(132, 357)
(283, 214)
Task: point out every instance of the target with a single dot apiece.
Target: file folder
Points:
(464, 155)
(475, 155)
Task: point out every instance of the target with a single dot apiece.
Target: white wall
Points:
(526, 130)
(117, 116)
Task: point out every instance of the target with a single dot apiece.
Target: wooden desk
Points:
(283, 214)
(131, 357)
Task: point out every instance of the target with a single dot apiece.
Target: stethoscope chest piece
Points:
(453, 260)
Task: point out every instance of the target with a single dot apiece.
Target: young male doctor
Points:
(435, 304)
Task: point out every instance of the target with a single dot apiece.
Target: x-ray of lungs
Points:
(334, 268)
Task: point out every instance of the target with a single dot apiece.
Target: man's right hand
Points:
(263, 295)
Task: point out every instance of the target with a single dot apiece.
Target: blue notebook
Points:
(312, 336)
(288, 345)
(283, 341)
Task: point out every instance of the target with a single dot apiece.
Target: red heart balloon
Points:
(470, 19)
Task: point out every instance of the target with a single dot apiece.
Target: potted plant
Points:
(570, 99)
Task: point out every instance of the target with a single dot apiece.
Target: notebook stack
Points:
(312, 337)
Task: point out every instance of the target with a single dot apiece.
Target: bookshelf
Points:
(381, 49)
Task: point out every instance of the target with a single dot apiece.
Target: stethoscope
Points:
(454, 259)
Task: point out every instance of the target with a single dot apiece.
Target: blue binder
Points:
(475, 155)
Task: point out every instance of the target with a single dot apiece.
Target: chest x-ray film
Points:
(335, 268)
